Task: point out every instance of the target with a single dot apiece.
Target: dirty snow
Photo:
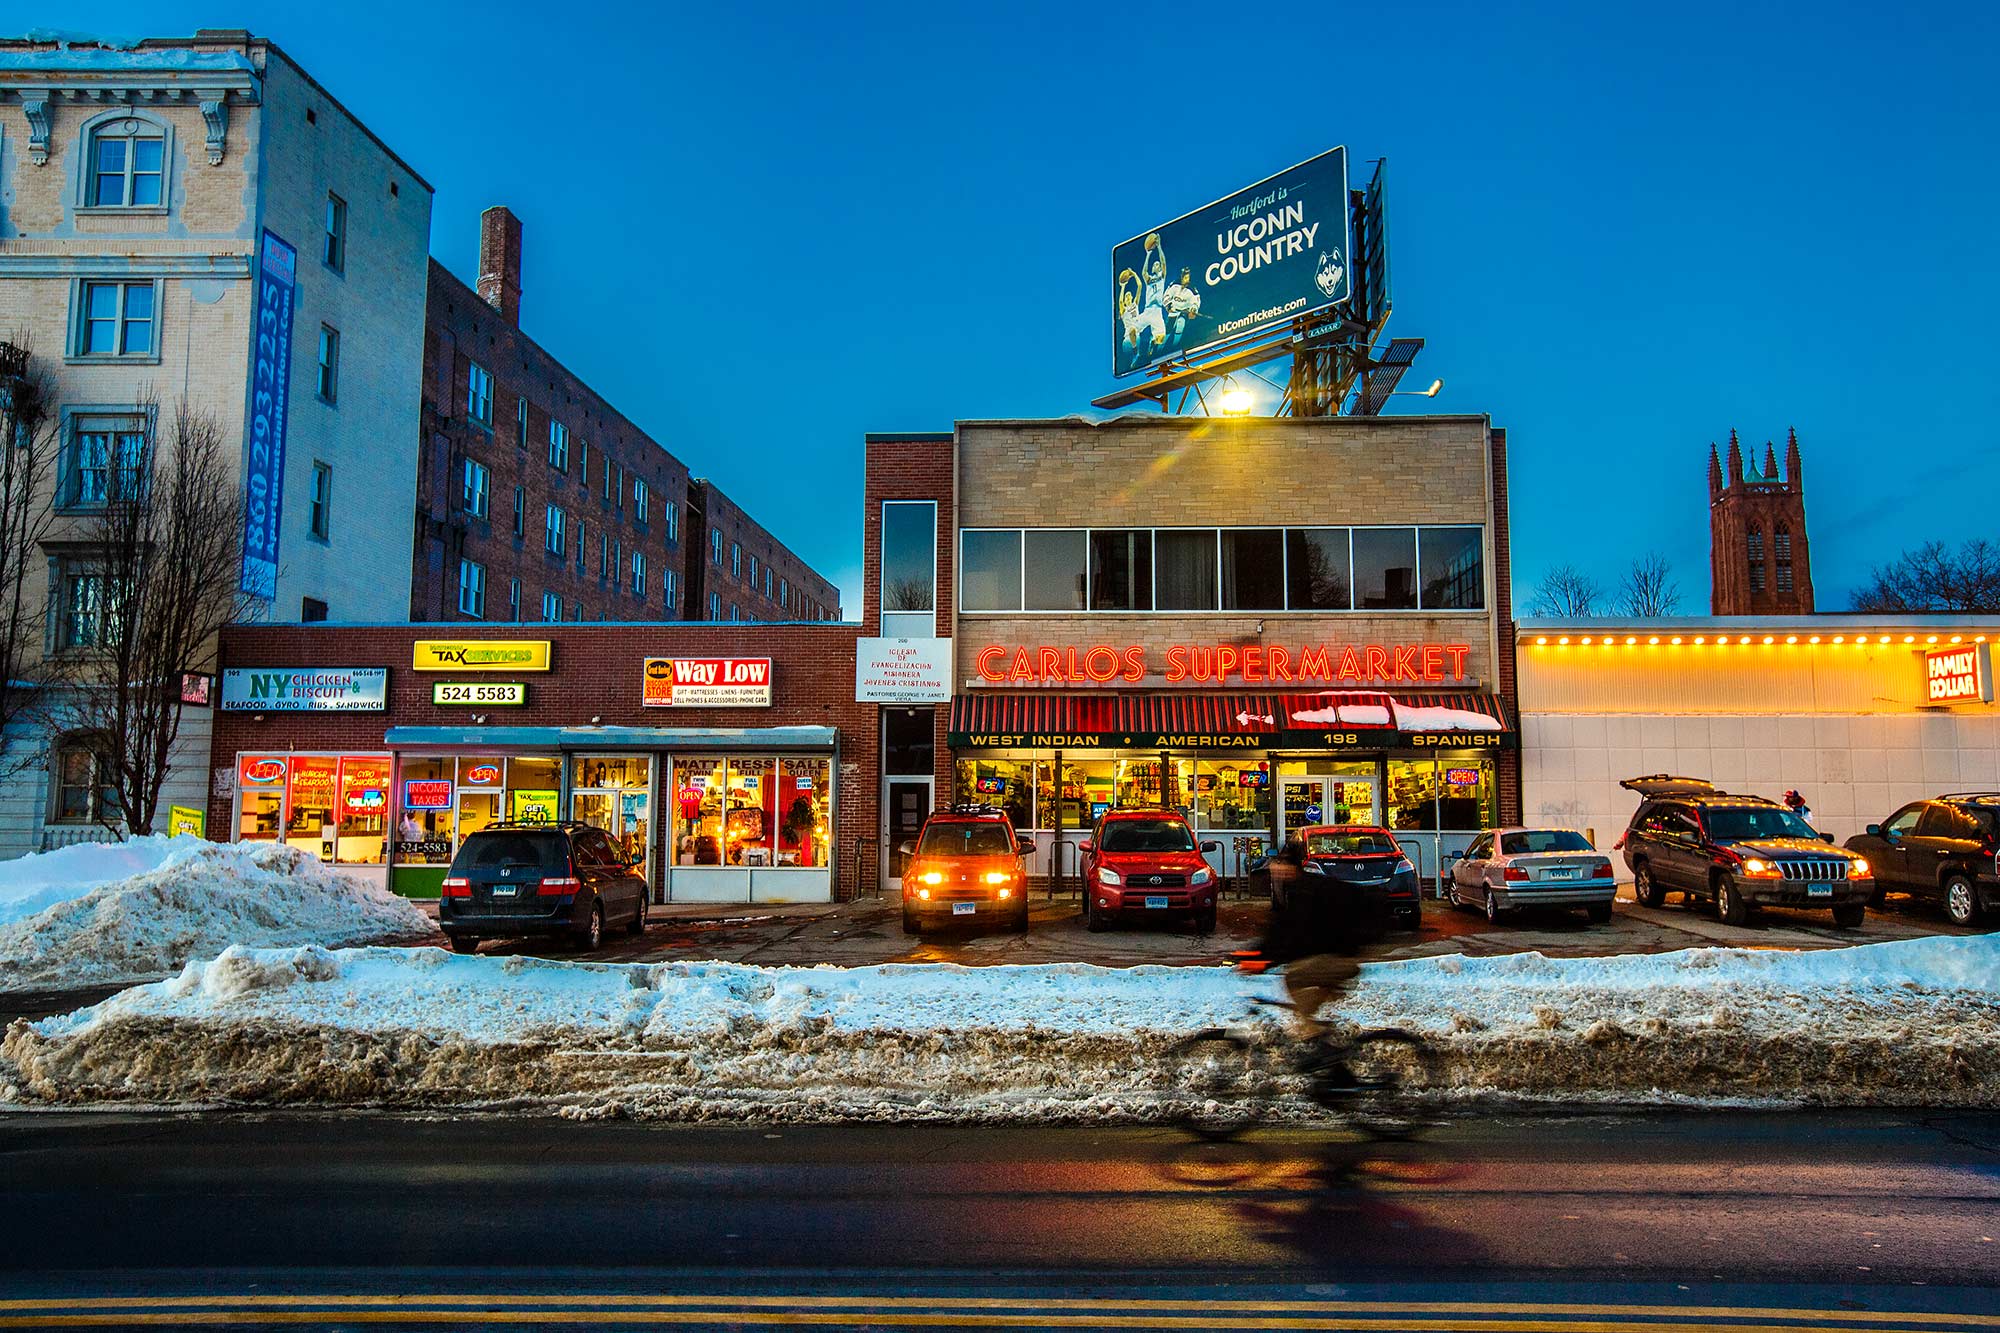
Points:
(97, 913)
(1904, 1023)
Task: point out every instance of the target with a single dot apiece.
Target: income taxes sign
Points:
(1241, 266)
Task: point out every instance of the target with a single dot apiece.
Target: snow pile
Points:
(1908, 1023)
(108, 912)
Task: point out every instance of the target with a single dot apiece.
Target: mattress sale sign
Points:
(707, 682)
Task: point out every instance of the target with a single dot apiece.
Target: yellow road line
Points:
(930, 1304)
(940, 1319)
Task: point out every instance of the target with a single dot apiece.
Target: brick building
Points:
(198, 222)
(738, 571)
(762, 802)
(1759, 562)
(1130, 622)
(539, 501)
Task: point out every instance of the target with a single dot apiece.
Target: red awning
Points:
(1206, 721)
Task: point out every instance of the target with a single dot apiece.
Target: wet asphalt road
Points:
(1805, 1209)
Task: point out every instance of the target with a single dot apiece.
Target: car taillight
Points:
(556, 888)
(453, 887)
(1600, 869)
(1516, 873)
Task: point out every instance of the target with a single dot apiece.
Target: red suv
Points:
(1146, 863)
(966, 866)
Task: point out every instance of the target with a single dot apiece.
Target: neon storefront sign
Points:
(1224, 664)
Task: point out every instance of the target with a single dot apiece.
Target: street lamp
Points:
(1431, 392)
(1235, 399)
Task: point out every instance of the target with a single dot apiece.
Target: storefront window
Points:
(1233, 795)
(614, 792)
(1052, 569)
(1006, 784)
(534, 789)
(1316, 564)
(1442, 792)
(1121, 571)
(1089, 788)
(424, 827)
(804, 804)
(481, 794)
(364, 810)
(310, 793)
(1184, 570)
(260, 783)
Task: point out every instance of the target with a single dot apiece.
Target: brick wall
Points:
(1505, 667)
(811, 596)
(912, 467)
(597, 674)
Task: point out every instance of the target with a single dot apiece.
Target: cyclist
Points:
(1318, 926)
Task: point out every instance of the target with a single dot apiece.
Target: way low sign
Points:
(707, 682)
(305, 690)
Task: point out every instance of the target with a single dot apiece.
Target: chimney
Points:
(500, 262)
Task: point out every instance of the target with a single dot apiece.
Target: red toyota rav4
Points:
(1146, 863)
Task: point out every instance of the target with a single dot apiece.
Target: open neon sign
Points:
(1226, 664)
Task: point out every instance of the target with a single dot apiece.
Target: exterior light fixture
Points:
(1955, 638)
(1813, 639)
(1744, 638)
(1564, 641)
(1631, 639)
(1839, 638)
(1700, 639)
(1885, 638)
(1541, 638)
(1654, 639)
(1791, 638)
(1769, 639)
(1909, 638)
(1931, 639)
(1235, 399)
(1586, 639)
(1677, 639)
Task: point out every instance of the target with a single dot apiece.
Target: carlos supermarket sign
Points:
(707, 682)
(1224, 664)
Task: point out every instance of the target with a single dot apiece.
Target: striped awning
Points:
(1333, 719)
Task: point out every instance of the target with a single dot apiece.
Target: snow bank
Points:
(1908, 1023)
(108, 912)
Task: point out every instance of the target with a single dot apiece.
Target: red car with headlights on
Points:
(1146, 863)
(965, 866)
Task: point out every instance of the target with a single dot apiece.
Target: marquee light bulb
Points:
(1677, 638)
(1743, 638)
(1564, 641)
(1541, 638)
(1654, 639)
(1909, 638)
(1885, 638)
(1955, 638)
(1700, 639)
(1931, 639)
(1813, 639)
(1631, 639)
(1586, 640)
(1769, 639)
(1839, 638)
(1791, 638)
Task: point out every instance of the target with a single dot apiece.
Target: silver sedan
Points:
(1506, 868)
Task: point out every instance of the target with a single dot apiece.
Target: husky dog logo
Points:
(1330, 272)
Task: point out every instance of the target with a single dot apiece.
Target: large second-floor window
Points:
(108, 460)
(909, 569)
(80, 608)
(472, 589)
(554, 531)
(116, 319)
(558, 446)
(128, 166)
(83, 791)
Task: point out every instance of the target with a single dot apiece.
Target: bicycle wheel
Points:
(1396, 1075)
(1219, 1084)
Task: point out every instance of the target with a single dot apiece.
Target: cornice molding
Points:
(123, 266)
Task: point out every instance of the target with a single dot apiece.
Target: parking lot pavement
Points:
(869, 930)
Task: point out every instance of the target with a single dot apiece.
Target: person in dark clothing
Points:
(1318, 927)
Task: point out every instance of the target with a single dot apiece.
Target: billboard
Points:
(270, 386)
(1238, 267)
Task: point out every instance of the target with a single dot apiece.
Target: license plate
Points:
(505, 890)
(964, 909)
(1563, 872)
(1819, 890)
(1156, 900)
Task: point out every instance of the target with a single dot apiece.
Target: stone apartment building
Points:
(539, 501)
(153, 198)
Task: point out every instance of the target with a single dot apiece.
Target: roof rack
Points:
(979, 809)
(1968, 796)
(536, 824)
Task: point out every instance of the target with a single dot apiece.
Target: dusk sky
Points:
(762, 231)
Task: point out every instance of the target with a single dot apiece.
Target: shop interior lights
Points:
(1722, 640)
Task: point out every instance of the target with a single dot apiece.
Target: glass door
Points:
(615, 793)
(906, 803)
(1301, 802)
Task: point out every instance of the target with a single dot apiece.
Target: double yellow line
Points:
(958, 1312)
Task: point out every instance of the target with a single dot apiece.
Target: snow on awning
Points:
(1338, 719)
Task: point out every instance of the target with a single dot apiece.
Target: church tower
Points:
(1757, 555)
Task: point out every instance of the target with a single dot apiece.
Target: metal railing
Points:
(69, 835)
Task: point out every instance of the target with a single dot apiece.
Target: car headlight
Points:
(931, 877)
(998, 877)
(1859, 868)
(1202, 876)
(1106, 875)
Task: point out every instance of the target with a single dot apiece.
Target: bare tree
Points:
(1565, 591)
(29, 446)
(907, 594)
(1649, 589)
(164, 551)
(1933, 578)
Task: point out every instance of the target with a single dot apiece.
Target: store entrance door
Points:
(1318, 798)
(1301, 802)
(906, 803)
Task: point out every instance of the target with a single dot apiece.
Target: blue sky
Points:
(762, 231)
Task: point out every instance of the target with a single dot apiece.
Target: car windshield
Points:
(965, 840)
(1530, 841)
(1349, 844)
(490, 851)
(1147, 835)
(1743, 823)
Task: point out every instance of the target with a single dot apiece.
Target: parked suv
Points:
(965, 864)
(541, 879)
(1738, 852)
(1146, 863)
(1942, 850)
